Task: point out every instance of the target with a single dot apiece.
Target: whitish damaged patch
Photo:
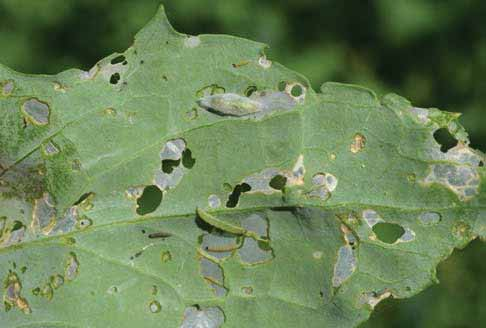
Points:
(430, 218)
(214, 201)
(36, 112)
(12, 234)
(67, 223)
(113, 73)
(192, 42)
(371, 217)
(373, 298)
(358, 144)
(134, 193)
(255, 252)
(50, 149)
(7, 87)
(296, 178)
(346, 260)
(317, 255)
(230, 104)
(407, 236)
(59, 87)
(458, 172)
(91, 74)
(323, 185)
(214, 276)
(345, 265)
(44, 214)
(155, 307)
(12, 294)
(46, 221)
(421, 115)
(257, 105)
(349, 236)
(200, 317)
(72, 267)
(264, 62)
(172, 151)
(256, 226)
(261, 182)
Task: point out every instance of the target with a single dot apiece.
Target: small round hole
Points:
(250, 90)
(278, 182)
(296, 90)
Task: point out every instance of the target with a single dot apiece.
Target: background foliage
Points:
(431, 52)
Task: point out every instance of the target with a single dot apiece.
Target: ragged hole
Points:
(187, 160)
(168, 165)
(118, 59)
(282, 85)
(234, 197)
(445, 139)
(115, 78)
(149, 201)
(388, 232)
(278, 182)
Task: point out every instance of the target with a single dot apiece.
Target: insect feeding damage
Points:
(257, 105)
(207, 317)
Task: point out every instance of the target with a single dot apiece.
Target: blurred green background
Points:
(431, 52)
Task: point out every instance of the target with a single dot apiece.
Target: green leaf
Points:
(192, 182)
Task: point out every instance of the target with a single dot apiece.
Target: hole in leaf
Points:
(296, 91)
(149, 201)
(250, 90)
(388, 232)
(481, 164)
(168, 165)
(278, 182)
(187, 160)
(445, 139)
(118, 60)
(282, 85)
(234, 197)
(16, 225)
(115, 78)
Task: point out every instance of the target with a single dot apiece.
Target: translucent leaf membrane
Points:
(193, 182)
